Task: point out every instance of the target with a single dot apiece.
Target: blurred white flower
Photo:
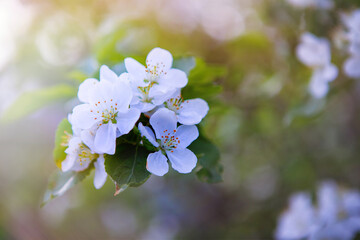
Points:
(352, 64)
(315, 53)
(320, 4)
(335, 216)
(299, 221)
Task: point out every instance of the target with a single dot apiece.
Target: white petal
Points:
(175, 78)
(82, 117)
(100, 173)
(182, 160)
(318, 88)
(136, 69)
(192, 111)
(126, 121)
(144, 106)
(352, 67)
(163, 120)
(186, 135)
(123, 95)
(330, 72)
(68, 163)
(313, 51)
(160, 58)
(105, 138)
(148, 133)
(85, 88)
(107, 74)
(88, 137)
(157, 164)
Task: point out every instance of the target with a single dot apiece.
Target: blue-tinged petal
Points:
(86, 88)
(148, 133)
(352, 67)
(107, 74)
(105, 138)
(100, 173)
(163, 120)
(192, 111)
(126, 121)
(83, 118)
(160, 58)
(157, 164)
(186, 134)
(136, 69)
(174, 78)
(182, 160)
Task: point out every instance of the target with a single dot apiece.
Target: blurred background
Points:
(274, 138)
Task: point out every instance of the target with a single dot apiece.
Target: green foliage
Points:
(60, 182)
(185, 64)
(61, 138)
(32, 101)
(127, 167)
(201, 80)
(208, 158)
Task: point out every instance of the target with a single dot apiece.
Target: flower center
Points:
(145, 92)
(168, 140)
(85, 155)
(154, 71)
(174, 104)
(106, 111)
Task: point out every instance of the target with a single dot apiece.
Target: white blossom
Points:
(156, 82)
(172, 143)
(105, 113)
(315, 53)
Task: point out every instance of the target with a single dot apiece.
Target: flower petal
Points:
(163, 120)
(85, 88)
(107, 74)
(186, 135)
(174, 78)
(330, 72)
(318, 88)
(136, 69)
(192, 111)
(105, 138)
(82, 117)
(100, 173)
(122, 94)
(126, 121)
(352, 67)
(157, 163)
(148, 133)
(182, 160)
(160, 58)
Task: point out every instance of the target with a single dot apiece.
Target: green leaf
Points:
(61, 138)
(185, 64)
(32, 101)
(208, 157)
(60, 182)
(127, 167)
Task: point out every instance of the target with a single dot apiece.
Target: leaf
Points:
(32, 101)
(127, 167)
(61, 137)
(209, 157)
(185, 64)
(60, 182)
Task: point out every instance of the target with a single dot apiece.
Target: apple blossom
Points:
(172, 143)
(105, 113)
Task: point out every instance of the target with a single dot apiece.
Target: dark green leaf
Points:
(32, 101)
(208, 157)
(61, 139)
(60, 182)
(127, 167)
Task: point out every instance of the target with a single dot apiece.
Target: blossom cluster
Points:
(111, 107)
(352, 23)
(335, 216)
